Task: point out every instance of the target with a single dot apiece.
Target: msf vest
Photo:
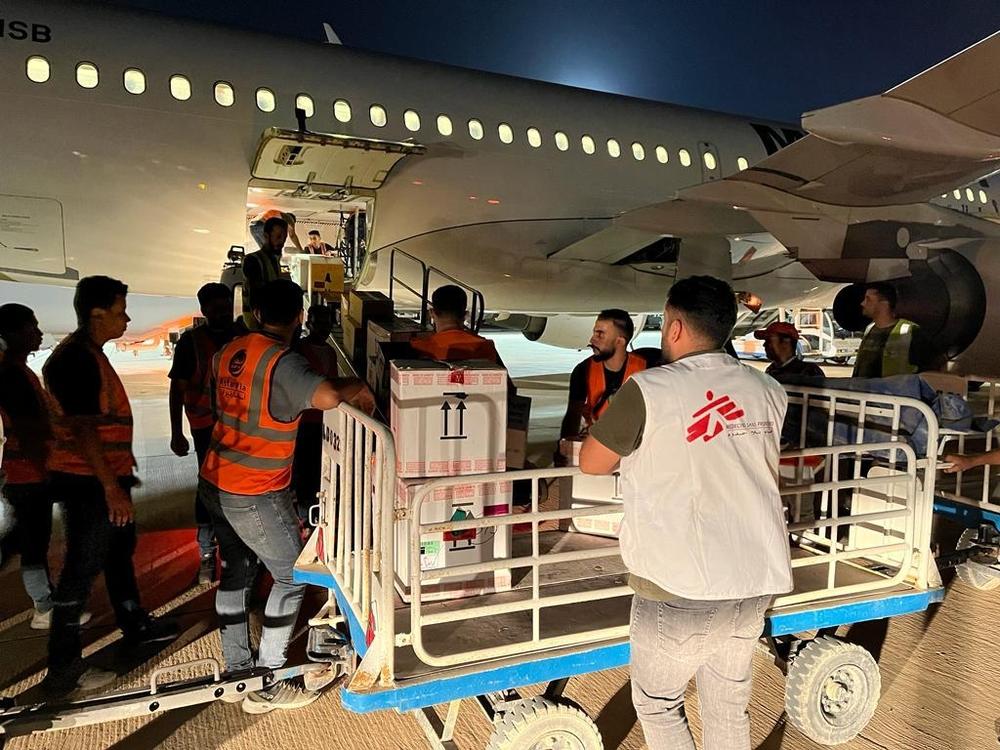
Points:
(597, 398)
(251, 453)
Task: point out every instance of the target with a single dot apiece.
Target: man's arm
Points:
(964, 463)
(617, 434)
(577, 401)
(596, 458)
(333, 392)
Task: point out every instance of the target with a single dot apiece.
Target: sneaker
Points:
(283, 695)
(43, 620)
(77, 677)
(145, 630)
(206, 571)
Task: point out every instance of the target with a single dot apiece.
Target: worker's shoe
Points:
(78, 677)
(43, 620)
(206, 570)
(144, 630)
(284, 694)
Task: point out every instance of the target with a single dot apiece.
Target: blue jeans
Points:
(712, 641)
(251, 528)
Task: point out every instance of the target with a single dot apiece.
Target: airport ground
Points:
(939, 669)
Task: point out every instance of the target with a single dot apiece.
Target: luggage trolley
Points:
(556, 604)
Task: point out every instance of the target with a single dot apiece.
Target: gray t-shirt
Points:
(292, 387)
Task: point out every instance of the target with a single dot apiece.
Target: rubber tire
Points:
(806, 682)
(531, 719)
(975, 574)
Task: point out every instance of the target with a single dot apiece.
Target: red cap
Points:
(778, 329)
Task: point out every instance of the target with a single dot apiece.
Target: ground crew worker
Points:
(91, 465)
(704, 559)
(24, 411)
(451, 340)
(594, 381)
(781, 348)
(309, 443)
(191, 392)
(316, 246)
(261, 388)
(891, 345)
(263, 266)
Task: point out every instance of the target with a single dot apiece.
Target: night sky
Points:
(769, 59)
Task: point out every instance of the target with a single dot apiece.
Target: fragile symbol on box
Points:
(447, 433)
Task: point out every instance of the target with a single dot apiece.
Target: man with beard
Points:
(594, 381)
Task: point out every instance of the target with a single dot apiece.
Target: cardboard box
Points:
(448, 419)
(390, 331)
(518, 417)
(326, 277)
(606, 524)
(354, 343)
(378, 368)
(366, 306)
(450, 549)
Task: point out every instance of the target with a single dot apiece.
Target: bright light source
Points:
(201, 231)
(493, 202)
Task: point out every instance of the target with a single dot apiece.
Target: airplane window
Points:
(476, 130)
(87, 76)
(265, 100)
(342, 110)
(588, 145)
(505, 132)
(37, 69)
(224, 94)
(376, 113)
(742, 163)
(180, 88)
(957, 194)
(135, 81)
(562, 142)
(685, 157)
(411, 120)
(661, 155)
(709, 158)
(969, 195)
(305, 103)
(614, 150)
(444, 125)
(982, 197)
(534, 137)
(638, 151)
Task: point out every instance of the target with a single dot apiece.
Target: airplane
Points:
(139, 146)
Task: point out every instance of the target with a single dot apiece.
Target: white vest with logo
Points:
(703, 517)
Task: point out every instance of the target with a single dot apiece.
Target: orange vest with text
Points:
(198, 394)
(597, 401)
(114, 425)
(454, 345)
(321, 359)
(251, 452)
(20, 469)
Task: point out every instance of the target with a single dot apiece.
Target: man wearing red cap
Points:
(781, 347)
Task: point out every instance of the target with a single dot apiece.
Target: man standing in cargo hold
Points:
(704, 560)
(261, 388)
(594, 381)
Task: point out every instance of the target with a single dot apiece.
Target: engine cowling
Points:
(566, 331)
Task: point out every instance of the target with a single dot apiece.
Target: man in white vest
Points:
(704, 535)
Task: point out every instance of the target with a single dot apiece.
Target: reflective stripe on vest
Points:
(198, 394)
(597, 401)
(251, 452)
(896, 354)
(321, 359)
(20, 469)
(114, 424)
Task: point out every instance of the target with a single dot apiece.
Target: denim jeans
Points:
(32, 505)
(202, 438)
(251, 528)
(712, 641)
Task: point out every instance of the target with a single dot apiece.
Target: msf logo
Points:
(710, 420)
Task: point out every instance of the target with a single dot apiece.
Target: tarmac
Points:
(939, 668)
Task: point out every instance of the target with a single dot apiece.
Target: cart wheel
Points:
(543, 724)
(978, 573)
(832, 690)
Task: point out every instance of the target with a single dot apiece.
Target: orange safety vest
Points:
(453, 345)
(321, 359)
(597, 399)
(114, 424)
(19, 468)
(198, 395)
(251, 452)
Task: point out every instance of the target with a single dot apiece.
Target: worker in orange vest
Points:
(91, 472)
(261, 389)
(191, 393)
(309, 443)
(451, 340)
(596, 380)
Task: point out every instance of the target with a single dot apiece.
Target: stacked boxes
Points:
(362, 307)
(387, 340)
(588, 491)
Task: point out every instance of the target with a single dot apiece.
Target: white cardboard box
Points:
(440, 550)
(448, 419)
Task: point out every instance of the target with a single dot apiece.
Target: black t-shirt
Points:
(185, 357)
(578, 387)
(73, 377)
